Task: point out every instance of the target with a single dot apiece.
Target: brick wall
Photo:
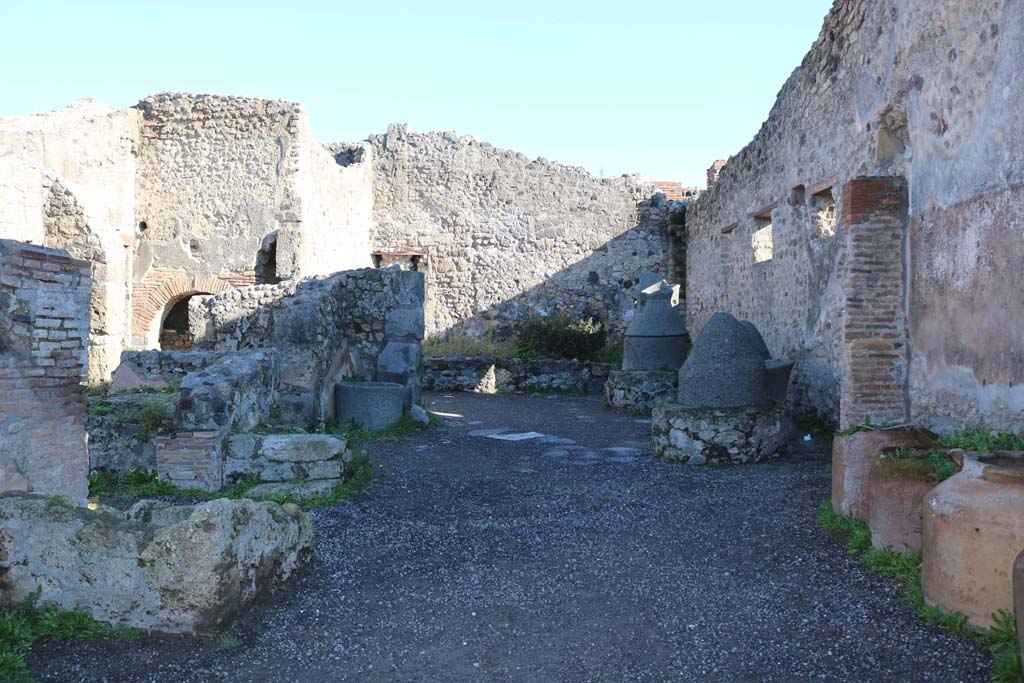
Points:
(874, 331)
(44, 328)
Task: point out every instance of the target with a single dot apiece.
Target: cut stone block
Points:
(302, 447)
(289, 471)
(373, 405)
(187, 570)
(299, 490)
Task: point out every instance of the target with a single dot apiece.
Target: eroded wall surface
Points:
(890, 88)
(500, 236)
(223, 183)
(67, 181)
(327, 329)
(44, 328)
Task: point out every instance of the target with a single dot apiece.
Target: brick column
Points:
(44, 329)
(873, 357)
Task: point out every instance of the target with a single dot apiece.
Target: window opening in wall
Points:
(761, 241)
(143, 227)
(796, 195)
(405, 259)
(823, 206)
(266, 262)
(174, 331)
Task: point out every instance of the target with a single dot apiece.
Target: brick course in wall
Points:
(44, 328)
(163, 286)
(874, 330)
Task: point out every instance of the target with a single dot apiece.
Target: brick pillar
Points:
(44, 329)
(873, 357)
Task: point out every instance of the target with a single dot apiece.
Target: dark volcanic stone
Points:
(726, 368)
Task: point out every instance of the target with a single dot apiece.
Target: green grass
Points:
(934, 464)
(20, 628)
(122, 489)
(467, 346)
(983, 440)
(905, 569)
(151, 414)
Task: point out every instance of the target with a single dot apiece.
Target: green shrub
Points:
(559, 336)
(983, 440)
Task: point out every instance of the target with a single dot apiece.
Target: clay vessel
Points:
(973, 529)
(852, 458)
(894, 506)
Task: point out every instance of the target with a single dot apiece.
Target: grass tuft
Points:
(29, 623)
(905, 569)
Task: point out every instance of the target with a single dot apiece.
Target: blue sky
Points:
(660, 88)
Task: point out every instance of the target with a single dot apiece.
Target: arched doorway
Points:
(174, 329)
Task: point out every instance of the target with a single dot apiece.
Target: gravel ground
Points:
(571, 557)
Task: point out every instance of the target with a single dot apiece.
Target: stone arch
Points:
(157, 293)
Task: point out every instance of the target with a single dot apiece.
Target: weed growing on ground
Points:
(29, 623)
(132, 485)
(934, 464)
(983, 440)
(151, 414)
(468, 346)
(905, 569)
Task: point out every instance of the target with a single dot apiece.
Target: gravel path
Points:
(569, 557)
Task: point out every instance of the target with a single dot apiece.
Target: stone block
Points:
(402, 363)
(126, 571)
(298, 490)
(373, 405)
(404, 323)
(299, 448)
(290, 471)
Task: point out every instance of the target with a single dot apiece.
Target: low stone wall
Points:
(131, 569)
(302, 465)
(123, 428)
(159, 369)
(237, 394)
(640, 389)
(720, 436)
(490, 375)
(362, 323)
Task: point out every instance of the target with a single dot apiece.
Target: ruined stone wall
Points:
(67, 181)
(44, 324)
(326, 329)
(502, 236)
(227, 183)
(890, 88)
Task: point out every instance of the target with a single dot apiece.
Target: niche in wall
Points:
(265, 269)
(823, 214)
(174, 330)
(762, 240)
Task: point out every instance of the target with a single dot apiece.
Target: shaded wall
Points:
(925, 91)
(499, 236)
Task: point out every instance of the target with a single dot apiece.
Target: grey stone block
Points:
(404, 323)
(373, 405)
(299, 490)
(301, 447)
(402, 363)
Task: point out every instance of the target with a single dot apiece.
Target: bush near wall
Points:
(559, 336)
